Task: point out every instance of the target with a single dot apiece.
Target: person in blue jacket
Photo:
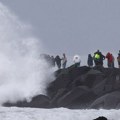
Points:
(90, 60)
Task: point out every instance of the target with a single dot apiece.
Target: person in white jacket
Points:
(77, 60)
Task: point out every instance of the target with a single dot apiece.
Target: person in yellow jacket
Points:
(98, 58)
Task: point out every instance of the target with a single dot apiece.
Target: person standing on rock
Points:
(64, 61)
(118, 59)
(113, 60)
(58, 61)
(90, 60)
(110, 60)
(98, 58)
(52, 61)
(76, 60)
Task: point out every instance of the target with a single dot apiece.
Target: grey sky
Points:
(72, 26)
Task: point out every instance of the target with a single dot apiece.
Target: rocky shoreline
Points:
(80, 88)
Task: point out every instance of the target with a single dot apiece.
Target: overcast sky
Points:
(72, 26)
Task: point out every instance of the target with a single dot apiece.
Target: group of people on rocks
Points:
(96, 59)
(60, 62)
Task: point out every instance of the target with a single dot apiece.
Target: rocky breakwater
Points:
(80, 88)
(86, 88)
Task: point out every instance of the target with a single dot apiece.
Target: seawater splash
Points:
(22, 73)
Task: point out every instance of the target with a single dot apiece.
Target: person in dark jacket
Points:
(113, 60)
(118, 59)
(98, 58)
(90, 60)
(58, 61)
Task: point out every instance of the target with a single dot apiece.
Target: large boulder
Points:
(72, 95)
(40, 101)
(108, 101)
(101, 118)
(64, 79)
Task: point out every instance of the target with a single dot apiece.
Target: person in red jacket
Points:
(110, 60)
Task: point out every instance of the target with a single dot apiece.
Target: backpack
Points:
(96, 56)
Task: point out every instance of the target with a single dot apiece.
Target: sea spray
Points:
(22, 73)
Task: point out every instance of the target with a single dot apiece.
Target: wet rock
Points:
(101, 118)
(40, 101)
(107, 101)
(86, 87)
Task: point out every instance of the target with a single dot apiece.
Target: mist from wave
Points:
(22, 73)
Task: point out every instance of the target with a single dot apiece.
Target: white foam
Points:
(22, 73)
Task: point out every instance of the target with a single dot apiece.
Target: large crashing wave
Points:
(22, 73)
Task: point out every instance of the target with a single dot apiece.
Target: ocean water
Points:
(14, 113)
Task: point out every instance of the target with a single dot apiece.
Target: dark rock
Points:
(60, 93)
(101, 118)
(72, 95)
(108, 101)
(64, 79)
(39, 101)
(84, 87)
